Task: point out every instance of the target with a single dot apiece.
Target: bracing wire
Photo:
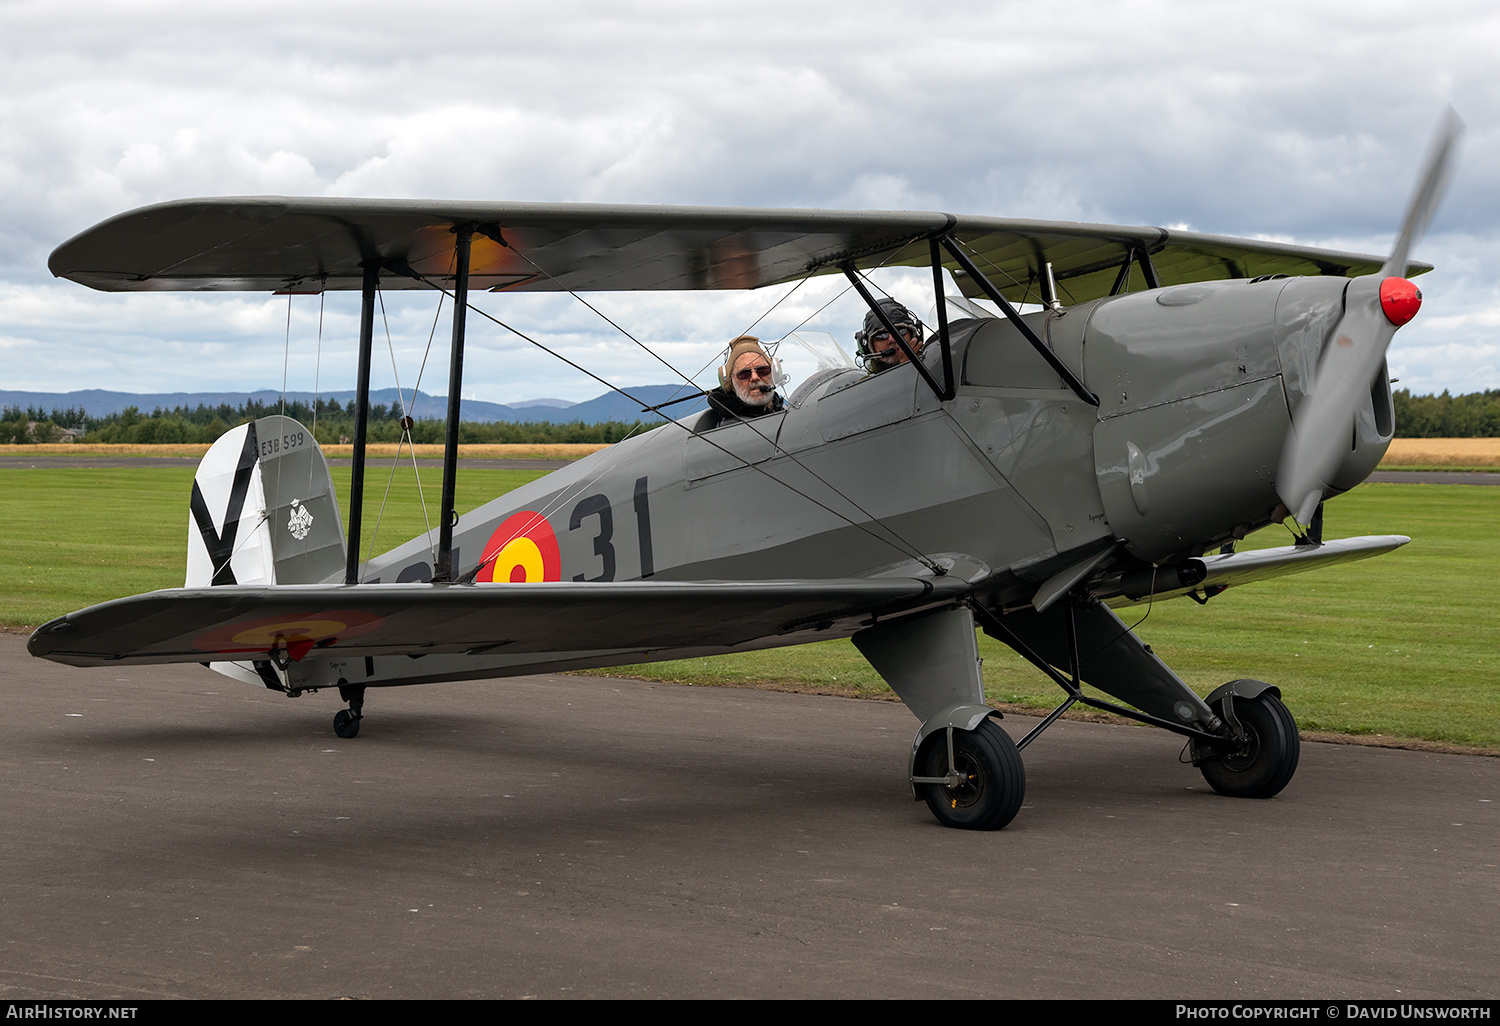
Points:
(904, 545)
(714, 359)
(894, 540)
(416, 472)
(751, 327)
(317, 400)
(431, 334)
(286, 356)
(564, 496)
(980, 257)
(772, 308)
(318, 366)
(385, 496)
(405, 440)
(797, 327)
(286, 359)
(265, 515)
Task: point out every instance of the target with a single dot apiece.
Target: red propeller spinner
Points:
(1400, 300)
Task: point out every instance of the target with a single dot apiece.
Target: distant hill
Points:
(561, 404)
(609, 406)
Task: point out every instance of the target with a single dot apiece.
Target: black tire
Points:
(996, 777)
(1266, 762)
(346, 724)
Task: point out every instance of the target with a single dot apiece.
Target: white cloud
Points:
(1301, 121)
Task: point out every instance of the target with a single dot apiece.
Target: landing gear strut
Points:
(963, 765)
(346, 722)
(1241, 737)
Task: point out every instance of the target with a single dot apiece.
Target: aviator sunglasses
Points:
(761, 371)
(885, 336)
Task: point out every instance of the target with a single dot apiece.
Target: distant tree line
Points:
(334, 422)
(1474, 415)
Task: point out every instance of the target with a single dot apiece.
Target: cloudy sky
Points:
(1297, 121)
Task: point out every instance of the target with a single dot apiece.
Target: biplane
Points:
(1024, 474)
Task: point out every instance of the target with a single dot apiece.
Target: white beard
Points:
(756, 393)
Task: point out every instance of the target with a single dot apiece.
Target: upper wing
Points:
(1087, 258)
(311, 244)
(240, 623)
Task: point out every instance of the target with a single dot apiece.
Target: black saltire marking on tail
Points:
(220, 548)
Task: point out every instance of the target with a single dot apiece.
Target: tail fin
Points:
(263, 509)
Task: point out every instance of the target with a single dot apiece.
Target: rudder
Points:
(263, 510)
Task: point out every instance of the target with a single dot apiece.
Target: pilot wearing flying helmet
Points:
(746, 383)
(876, 347)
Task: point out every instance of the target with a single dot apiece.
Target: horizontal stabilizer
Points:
(1210, 573)
(288, 622)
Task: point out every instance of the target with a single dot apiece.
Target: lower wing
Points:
(288, 622)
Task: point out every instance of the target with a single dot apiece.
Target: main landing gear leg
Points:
(1241, 737)
(1088, 638)
(346, 722)
(963, 765)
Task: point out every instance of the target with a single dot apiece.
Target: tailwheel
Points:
(346, 724)
(987, 782)
(346, 721)
(1263, 761)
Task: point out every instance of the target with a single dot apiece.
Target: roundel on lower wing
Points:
(298, 635)
(523, 550)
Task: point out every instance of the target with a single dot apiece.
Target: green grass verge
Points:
(1404, 645)
(70, 537)
(1466, 468)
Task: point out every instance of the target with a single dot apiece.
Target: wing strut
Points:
(361, 416)
(1062, 369)
(1147, 268)
(942, 316)
(1139, 254)
(444, 569)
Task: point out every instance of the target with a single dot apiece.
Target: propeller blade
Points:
(1375, 305)
(1429, 191)
(1320, 432)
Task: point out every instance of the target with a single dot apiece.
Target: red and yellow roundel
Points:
(522, 550)
(297, 636)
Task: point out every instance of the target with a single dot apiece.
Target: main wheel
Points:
(994, 778)
(1264, 764)
(345, 724)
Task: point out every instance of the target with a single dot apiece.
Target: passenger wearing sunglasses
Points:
(746, 386)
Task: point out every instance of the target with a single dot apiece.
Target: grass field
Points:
(1403, 646)
(1405, 453)
(72, 537)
